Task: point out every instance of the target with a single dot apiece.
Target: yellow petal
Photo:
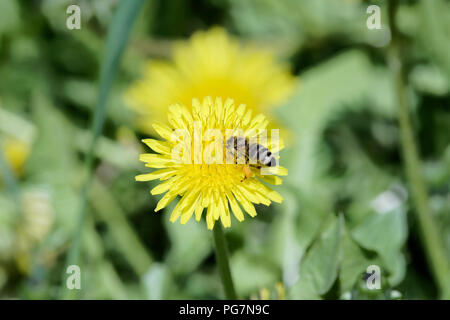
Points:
(165, 200)
(275, 196)
(209, 219)
(158, 174)
(262, 198)
(188, 211)
(247, 205)
(276, 147)
(176, 211)
(162, 187)
(271, 194)
(198, 211)
(248, 194)
(155, 160)
(235, 207)
(279, 170)
(158, 146)
(271, 179)
(175, 117)
(224, 213)
(163, 130)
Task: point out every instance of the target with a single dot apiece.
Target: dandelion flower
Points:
(218, 187)
(211, 63)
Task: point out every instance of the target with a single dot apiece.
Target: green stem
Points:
(430, 236)
(222, 261)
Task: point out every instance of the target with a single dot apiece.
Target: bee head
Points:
(272, 162)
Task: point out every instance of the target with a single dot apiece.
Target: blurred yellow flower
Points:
(202, 184)
(211, 63)
(279, 293)
(15, 152)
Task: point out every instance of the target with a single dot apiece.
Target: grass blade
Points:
(117, 38)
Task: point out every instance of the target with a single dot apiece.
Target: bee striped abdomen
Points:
(238, 147)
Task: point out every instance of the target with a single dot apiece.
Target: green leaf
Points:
(9, 15)
(319, 268)
(382, 232)
(250, 273)
(396, 264)
(433, 34)
(190, 244)
(353, 262)
(292, 232)
(52, 162)
(386, 234)
(158, 282)
(324, 92)
(429, 79)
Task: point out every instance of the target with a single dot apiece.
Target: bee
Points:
(254, 154)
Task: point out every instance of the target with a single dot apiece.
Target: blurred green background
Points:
(348, 203)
